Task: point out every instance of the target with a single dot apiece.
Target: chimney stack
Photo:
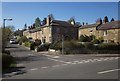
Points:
(48, 20)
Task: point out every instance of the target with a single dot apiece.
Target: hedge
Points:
(7, 60)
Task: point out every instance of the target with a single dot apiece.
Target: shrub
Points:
(85, 38)
(6, 52)
(91, 37)
(43, 47)
(27, 44)
(23, 39)
(108, 46)
(95, 41)
(37, 42)
(56, 46)
(7, 60)
(89, 45)
(32, 46)
(101, 39)
(69, 47)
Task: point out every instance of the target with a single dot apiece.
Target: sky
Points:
(27, 12)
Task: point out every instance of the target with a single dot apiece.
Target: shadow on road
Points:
(11, 47)
(13, 71)
(27, 59)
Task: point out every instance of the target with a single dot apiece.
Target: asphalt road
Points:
(45, 66)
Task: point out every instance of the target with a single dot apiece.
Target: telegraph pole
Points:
(62, 44)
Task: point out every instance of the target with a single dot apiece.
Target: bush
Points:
(37, 42)
(23, 39)
(32, 46)
(108, 46)
(7, 60)
(89, 45)
(95, 41)
(56, 46)
(27, 44)
(6, 52)
(85, 38)
(101, 39)
(43, 47)
(69, 47)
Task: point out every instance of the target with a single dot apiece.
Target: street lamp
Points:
(10, 19)
(3, 31)
(62, 44)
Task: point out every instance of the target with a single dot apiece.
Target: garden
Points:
(85, 45)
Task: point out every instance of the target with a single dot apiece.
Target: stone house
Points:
(109, 31)
(89, 29)
(53, 31)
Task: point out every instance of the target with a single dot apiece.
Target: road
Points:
(43, 65)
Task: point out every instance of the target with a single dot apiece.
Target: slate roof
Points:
(34, 30)
(61, 23)
(110, 25)
(89, 26)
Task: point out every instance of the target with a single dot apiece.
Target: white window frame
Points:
(105, 33)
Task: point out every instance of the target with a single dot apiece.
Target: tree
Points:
(78, 24)
(7, 33)
(44, 21)
(37, 22)
(51, 16)
(112, 20)
(83, 23)
(106, 19)
(18, 33)
(72, 20)
(33, 26)
(25, 26)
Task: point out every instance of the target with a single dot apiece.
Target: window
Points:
(105, 33)
(50, 39)
(42, 31)
(91, 30)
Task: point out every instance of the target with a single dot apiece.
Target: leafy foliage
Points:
(37, 22)
(23, 39)
(72, 19)
(106, 19)
(112, 20)
(7, 33)
(7, 60)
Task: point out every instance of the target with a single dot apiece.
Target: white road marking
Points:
(87, 61)
(116, 57)
(106, 59)
(91, 60)
(57, 60)
(80, 62)
(56, 66)
(44, 67)
(34, 69)
(95, 60)
(107, 71)
(76, 61)
(64, 64)
(99, 60)
(68, 62)
(31, 54)
(56, 57)
(111, 58)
